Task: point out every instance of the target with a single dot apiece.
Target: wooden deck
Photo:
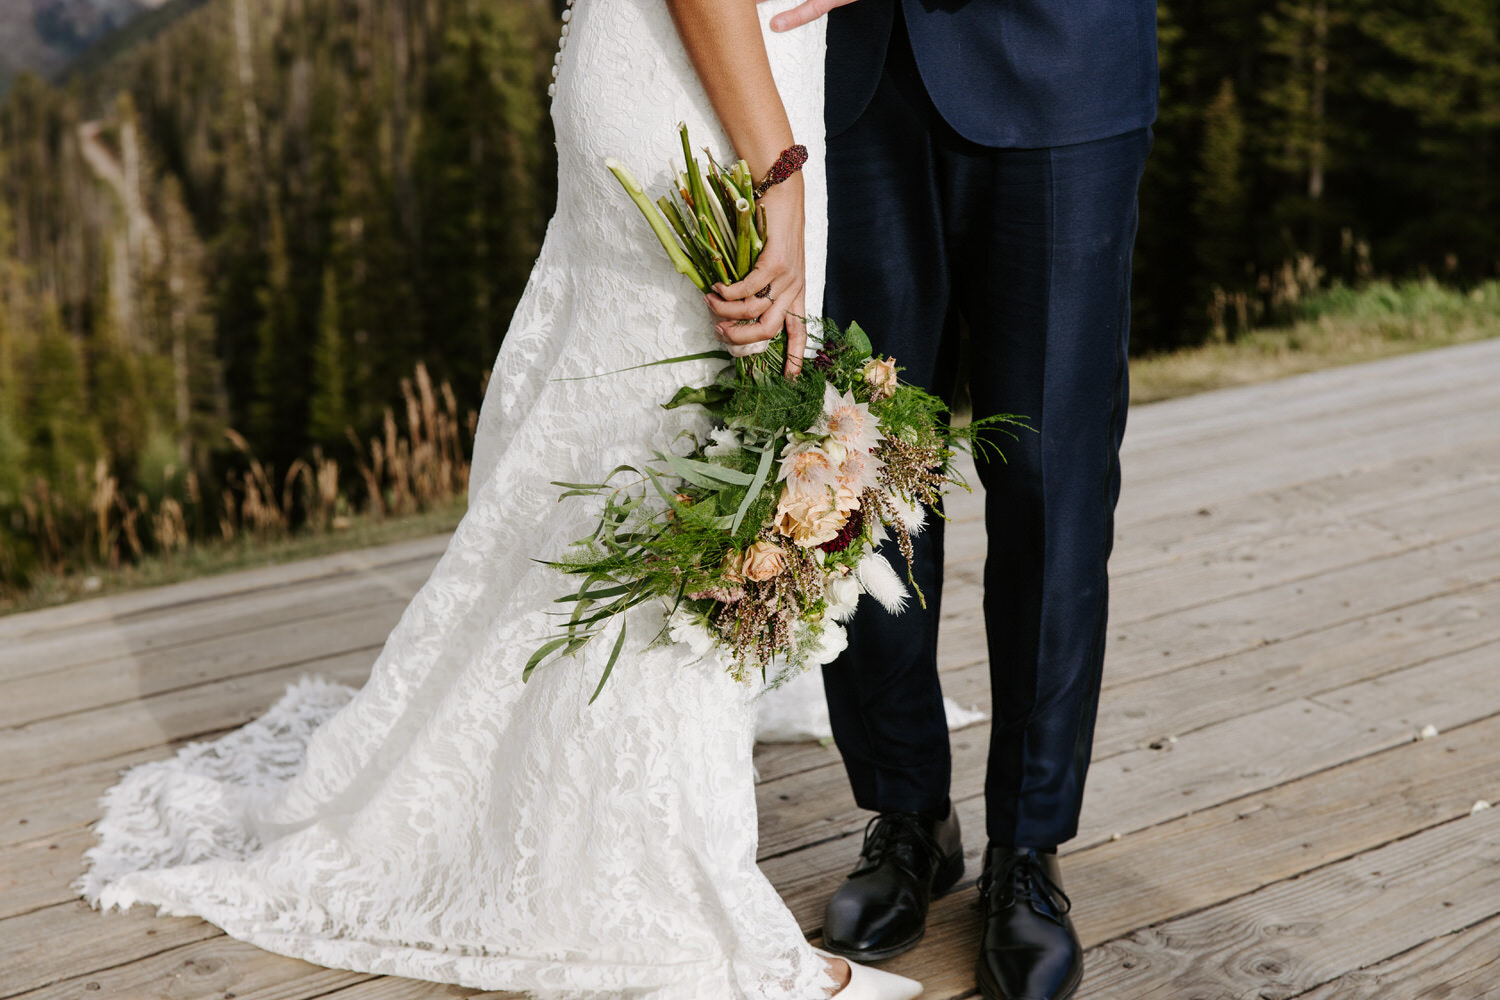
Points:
(1307, 575)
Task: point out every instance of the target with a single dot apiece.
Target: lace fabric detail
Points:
(446, 821)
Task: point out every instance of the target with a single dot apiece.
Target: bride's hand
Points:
(746, 320)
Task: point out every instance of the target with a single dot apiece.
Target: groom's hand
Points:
(811, 10)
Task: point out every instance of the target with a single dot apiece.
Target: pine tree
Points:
(1220, 206)
(13, 453)
(326, 416)
(1441, 71)
(278, 410)
(62, 436)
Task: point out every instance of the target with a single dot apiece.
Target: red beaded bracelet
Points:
(788, 163)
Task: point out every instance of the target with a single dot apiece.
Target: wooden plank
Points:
(59, 743)
(44, 946)
(1222, 628)
(1309, 397)
(1293, 555)
(1273, 942)
(1236, 441)
(1262, 562)
(91, 687)
(1366, 492)
(116, 607)
(1188, 487)
(1135, 712)
(1286, 741)
(48, 805)
(1140, 788)
(218, 619)
(1285, 721)
(215, 967)
(1190, 863)
(1296, 935)
(1233, 626)
(1233, 849)
(1464, 965)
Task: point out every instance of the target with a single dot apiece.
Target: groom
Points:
(983, 160)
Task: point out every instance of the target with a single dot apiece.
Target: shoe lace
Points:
(1022, 877)
(893, 836)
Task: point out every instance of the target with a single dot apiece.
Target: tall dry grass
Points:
(417, 462)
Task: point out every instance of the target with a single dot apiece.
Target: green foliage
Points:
(261, 223)
(1366, 135)
(326, 416)
(62, 435)
(1220, 208)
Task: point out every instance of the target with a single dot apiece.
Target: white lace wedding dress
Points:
(448, 822)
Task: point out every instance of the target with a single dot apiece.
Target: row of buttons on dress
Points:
(562, 43)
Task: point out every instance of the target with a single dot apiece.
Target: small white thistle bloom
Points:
(881, 582)
(726, 442)
(683, 626)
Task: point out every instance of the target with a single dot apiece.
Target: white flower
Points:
(843, 595)
(808, 468)
(859, 471)
(848, 422)
(881, 582)
(829, 645)
(685, 627)
(726, 442)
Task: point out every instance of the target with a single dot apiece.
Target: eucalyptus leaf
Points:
(614, 654)
(706, 474)
(541, 654)
(762, 471)
(858, 341)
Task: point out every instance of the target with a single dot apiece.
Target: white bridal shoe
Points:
(866, 983)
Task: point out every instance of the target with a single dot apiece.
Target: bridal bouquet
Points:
(760, 537)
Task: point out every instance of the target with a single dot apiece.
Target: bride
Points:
(447, 822)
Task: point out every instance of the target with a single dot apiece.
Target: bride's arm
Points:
(723, 40)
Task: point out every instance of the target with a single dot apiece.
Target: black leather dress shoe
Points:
(881, 909)
(1028, 949)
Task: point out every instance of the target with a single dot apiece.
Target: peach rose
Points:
(733, 567)
(881, 373)
(813, 520)
(763, 560)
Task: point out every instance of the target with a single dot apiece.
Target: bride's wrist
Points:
(788, 164)
(788, 191)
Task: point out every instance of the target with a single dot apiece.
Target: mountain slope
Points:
(46, 36)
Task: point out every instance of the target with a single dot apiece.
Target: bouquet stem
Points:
(658, 223)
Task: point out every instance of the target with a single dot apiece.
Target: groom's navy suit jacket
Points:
(1006, 73)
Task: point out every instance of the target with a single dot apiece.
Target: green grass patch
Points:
(1338, 326)
(244, 553)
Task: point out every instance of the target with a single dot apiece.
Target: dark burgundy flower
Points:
(822, 362)
(847, 534)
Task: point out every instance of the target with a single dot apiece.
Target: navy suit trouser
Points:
(1030, 250)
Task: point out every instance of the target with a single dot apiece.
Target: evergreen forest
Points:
(257, 256)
